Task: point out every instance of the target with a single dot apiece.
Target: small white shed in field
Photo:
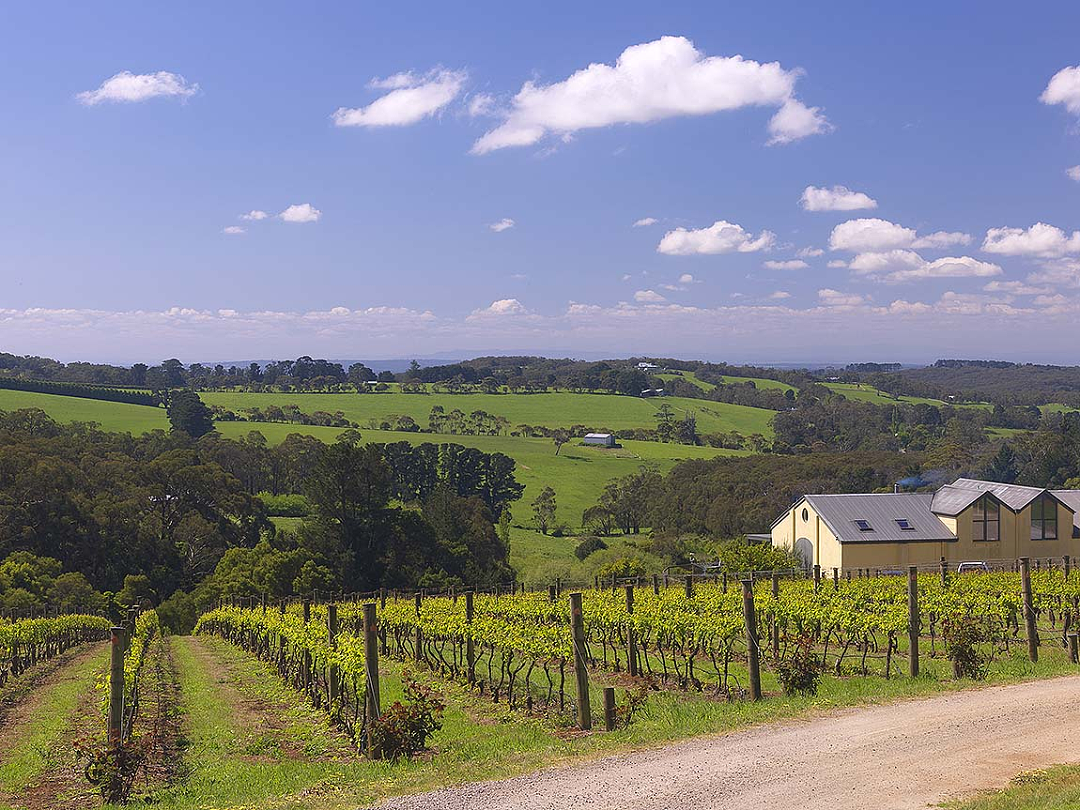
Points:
(600, 439)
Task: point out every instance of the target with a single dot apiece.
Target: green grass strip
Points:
(29, 757)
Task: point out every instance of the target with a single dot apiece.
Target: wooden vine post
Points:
(1029, 610)
(1074, 650)
(817, 578)
(470, 649)
(913, 620)
(631, 635)
(688, 584)
(116, 687)
(609, 708)
(774, 623)
(752, 655)
(333, 674)
(371, 664)
(305, 672)
(419, 641)
(581, 672)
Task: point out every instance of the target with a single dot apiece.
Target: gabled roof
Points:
(954, 498)
(1071, 498)
(881, 511)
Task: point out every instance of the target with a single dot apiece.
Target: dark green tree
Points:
(189, 414)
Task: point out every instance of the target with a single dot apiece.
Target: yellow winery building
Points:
(967, 520)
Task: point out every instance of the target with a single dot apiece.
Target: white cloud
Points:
(1015, 288)
(1064, 88)
(942, 239)
(649, 82)
(254, 216)
(720, 237)
(233, 230)
(780, 295)
(837, 198)
(481, 104)
(304, 212)
(411, 99)
(686, 278)
(649, 297)
(645, 222)
(875, 235)
(1038, 240)
(499, 309)
(503, 224)
(795, 121)
(858, 235)
(835, 263)
(834, 298)
(809, 253)
(790, 264)
(1058, 272)
(131, 87)
(905, 265)
(1073, 172)
(626, 277)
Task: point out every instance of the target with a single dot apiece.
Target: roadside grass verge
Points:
(299, 762)
(1053, 789)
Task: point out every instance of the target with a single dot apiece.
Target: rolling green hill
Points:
(560, 409)
(865, 393)
(577, 474)
(692, 378)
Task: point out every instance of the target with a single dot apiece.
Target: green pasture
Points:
(112, 416)
(561, 409)
(866, 393)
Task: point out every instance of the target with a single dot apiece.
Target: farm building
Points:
(965, 520)
(600, 439)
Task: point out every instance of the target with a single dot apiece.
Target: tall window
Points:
(1044, 518)
(986, 519)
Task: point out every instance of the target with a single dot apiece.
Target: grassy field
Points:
(866, 393)
(577, 474)
(1053, 789)
(561, 409)
(692, 378)
(114, 416)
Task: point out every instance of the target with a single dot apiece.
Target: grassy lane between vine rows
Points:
(253, 742)
(37, 767)
(1052, 789)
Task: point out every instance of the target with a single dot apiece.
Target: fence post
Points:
(552, 593)
(577, 630)
(631, 634)
(470, 649)
(333, 675)
(419, 640)
(1066, 566)
(558, 586)
(944, 573)
(836, 579)
(609, 708)
(371, 666)
(817, 578)
(1029, 610)
(116, 688)
(774, 624)
(750, 618)
(913, 620)
(305, 672)
(655, 585)
(688, 584)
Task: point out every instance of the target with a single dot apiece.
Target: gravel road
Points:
(904, 755)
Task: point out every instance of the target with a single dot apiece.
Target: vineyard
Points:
(447, 683)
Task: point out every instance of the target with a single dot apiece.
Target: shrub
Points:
(623, 568)
(800, 672)
(404, 728)
(285, 505)
(963, 636)
(588, 546)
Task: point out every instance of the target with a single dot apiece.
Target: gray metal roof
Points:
(881, 511)
(950, 500)
(1071, 498)
(1014, 496)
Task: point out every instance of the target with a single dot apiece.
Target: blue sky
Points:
(959, 125)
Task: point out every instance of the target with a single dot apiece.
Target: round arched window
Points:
(805, 515)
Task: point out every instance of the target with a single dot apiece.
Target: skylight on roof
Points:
(905, 524)
(863, 525)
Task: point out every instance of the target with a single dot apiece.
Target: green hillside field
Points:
(562, 409)
(866, 393)
(577, 474)
(692, 378)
